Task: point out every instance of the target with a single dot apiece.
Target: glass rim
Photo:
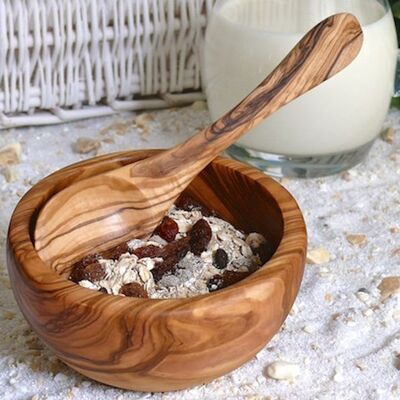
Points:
(219, 3)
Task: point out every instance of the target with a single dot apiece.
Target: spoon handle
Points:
(323, 52)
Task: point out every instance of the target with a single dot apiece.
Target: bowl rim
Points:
(21, 243)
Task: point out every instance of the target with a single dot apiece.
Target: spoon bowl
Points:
(159, 345)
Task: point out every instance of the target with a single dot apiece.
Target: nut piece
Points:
(10, 154)
(389, 286)
(317, 256)
(85, 145)
(282, 370)
(255, 240)
(357, 239)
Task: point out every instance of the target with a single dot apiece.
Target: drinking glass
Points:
(330, 128)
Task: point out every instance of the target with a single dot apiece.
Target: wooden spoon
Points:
(142, 192)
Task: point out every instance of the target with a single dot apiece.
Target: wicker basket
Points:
(63, 60)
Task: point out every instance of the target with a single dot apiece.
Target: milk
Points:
(246, 40)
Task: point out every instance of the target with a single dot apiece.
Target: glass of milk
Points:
(327, 130)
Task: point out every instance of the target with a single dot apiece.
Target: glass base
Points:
(300, 166)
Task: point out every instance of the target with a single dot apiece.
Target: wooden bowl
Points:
(160, 345)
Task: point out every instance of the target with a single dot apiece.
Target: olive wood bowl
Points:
(160, 345)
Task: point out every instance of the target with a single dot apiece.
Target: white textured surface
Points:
(63, 60)
(341, 352)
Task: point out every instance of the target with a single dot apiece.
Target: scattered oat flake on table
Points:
(10, 154)
(346, 176)
(357, 239)
(388, 135)
(317, 256)
(142, 120)
(85, 145)
(389, 286)
(119, 127)
(9, 173)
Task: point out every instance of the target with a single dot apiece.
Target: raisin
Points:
(117, 251)
(95, 272)
(178, 247)
(91, 258)
(231, 277)
(215, 283)
(78, 273)
(168, 265)
(172, 253)
(167, 230)
(134, 289)
(200, 237)
(264, 252)
(226, 279)
(91, 272)
(220, 259)
(150, 251)
(186, 203)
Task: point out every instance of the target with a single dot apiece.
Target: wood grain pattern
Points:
(137, 196)
(159, 345)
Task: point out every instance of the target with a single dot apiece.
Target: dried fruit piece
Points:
(215, 283)
(178, 247)
(232, 277)
(89, 259)
(200, 237)
(186, 203)
(134, 289)
(116, 252)
(150, 251)
(264, 252)
(168, 265)
(226, 279)
(87, 269)
(167, 230)
(220, 259)
(78, 273)
(172, 253)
